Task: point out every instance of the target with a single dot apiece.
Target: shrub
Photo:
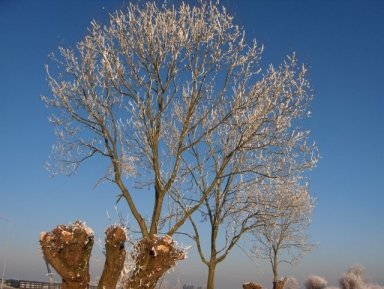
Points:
(357, 270)
(350, 280)
(315, 282)
(291, 283)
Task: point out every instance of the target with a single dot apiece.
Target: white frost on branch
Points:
(176, 101)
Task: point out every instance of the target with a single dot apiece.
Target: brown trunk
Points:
(279, 284)
(67, 249)
(72, 285)
(114, 257)
(211, 276)
(153, 256)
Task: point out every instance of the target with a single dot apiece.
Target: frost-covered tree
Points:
(175, 101)
(256, 206)
(283, 237)
(355, 278)
(229, 216)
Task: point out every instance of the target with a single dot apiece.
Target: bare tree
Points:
(262, 150)
(239, 206)
(175, 100)
(283, 237)
(263, 147)
(228, 220)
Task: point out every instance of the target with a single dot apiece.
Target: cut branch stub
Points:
(68, 249)
(153, 257)
(252, 285)
(115, 257)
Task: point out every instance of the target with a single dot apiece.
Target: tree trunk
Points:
(211, 275)
(114, 257)
(68, 249)
(275, 271)
(153, 257)
(277, 284)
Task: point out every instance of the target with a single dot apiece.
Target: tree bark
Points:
(114, 259)
(211, 275)
(68, 249)
(153, 257)
(275, 264)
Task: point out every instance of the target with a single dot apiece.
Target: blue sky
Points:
(342, 43)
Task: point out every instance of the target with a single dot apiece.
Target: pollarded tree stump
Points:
(153, 257)
(68, 249)
(114, 257)
(252, 285)
(280, 284)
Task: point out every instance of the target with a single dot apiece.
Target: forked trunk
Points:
(153, 257)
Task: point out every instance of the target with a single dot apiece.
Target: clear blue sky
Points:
(342, 42)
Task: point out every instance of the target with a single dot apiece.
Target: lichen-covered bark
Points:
(114, 257)
(68, 249)
(153, 257)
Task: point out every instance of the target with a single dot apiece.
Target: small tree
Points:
(228, 218)
(289, 206)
